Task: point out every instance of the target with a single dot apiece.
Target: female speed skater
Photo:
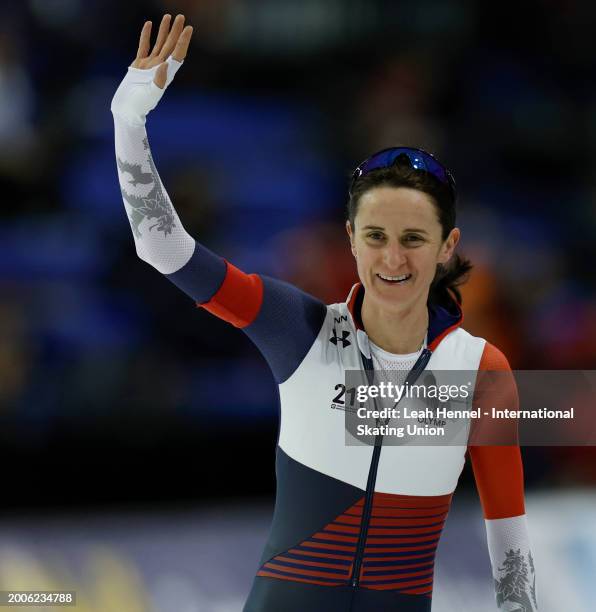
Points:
(355, 526)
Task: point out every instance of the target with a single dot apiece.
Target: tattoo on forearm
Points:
(518, 582)
(154, 205)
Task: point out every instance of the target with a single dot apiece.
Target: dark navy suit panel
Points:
(271, 595)
(201, 276)
(306, 501)
(286, 326)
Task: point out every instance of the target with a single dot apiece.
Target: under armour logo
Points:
(343, 339)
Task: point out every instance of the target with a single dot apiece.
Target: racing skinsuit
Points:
(355, 527)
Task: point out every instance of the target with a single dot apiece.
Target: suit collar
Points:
(441, 320)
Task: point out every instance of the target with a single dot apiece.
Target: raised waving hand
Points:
(152, 70)
(160, 238)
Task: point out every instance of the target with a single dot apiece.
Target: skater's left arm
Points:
(498, 472)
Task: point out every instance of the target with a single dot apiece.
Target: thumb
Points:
(161, 75)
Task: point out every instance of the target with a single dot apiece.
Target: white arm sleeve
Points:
(159, 236)
(512, 564)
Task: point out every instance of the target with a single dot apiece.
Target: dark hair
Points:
(447, 277)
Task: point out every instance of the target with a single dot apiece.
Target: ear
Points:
(448, 247)
(351, 235)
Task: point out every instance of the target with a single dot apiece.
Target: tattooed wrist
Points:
(516, 585)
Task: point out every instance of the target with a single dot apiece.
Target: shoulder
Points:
(493, 358)
(339, 309)
(498, 390)
(458, 350)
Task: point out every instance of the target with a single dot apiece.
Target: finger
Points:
(144, 41)
(181, 48)
(164, 27)
(161, 75)
(173, 37)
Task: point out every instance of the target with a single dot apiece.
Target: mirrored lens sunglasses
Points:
(415, 158)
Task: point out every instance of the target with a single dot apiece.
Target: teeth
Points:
(395, 278)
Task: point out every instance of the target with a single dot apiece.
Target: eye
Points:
(375, 235)
(413, 238)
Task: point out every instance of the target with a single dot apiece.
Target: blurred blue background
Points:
(115, 391)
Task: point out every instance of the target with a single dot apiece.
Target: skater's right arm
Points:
(281, 320)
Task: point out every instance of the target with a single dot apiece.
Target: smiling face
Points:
(397, 241)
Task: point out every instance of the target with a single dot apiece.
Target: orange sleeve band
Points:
(239, 298)
(498, 470)
(499, 476)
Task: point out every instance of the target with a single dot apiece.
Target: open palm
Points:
(172, 42)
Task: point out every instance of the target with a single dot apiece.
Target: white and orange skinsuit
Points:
(355, 527)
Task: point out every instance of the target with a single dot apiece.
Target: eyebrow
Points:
(408, 229)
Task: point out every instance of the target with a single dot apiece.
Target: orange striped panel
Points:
(401, 542)
(398, 554)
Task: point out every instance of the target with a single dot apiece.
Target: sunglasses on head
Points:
(415, 158)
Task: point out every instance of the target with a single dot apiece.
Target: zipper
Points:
(411, 378)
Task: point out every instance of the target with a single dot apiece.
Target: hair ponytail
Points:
(445, 286)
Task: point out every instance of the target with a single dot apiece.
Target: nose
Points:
(394, 256)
